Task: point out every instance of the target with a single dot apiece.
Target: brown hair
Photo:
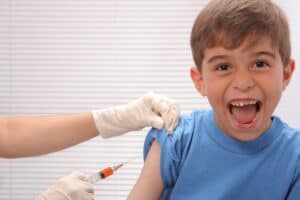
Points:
(229, 22)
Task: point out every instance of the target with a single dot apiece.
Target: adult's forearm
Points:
(31, 136)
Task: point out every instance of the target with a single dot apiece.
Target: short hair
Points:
(228, 22)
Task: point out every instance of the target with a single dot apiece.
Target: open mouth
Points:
(244, 112)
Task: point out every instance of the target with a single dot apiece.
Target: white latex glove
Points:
(72, 187)
(149, 110)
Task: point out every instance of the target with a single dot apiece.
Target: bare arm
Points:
(149, 185)
(30, 136)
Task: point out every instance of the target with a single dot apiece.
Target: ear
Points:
(287, 73)
(197, 79)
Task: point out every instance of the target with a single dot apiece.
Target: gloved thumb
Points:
(157, 122)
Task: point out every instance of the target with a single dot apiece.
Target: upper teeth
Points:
(243, 103)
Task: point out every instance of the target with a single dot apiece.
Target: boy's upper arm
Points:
(294, 194)
(164, 155)
(149, 184)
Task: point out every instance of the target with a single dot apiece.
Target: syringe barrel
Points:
(106, 172)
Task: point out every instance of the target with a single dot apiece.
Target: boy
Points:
(238, 150)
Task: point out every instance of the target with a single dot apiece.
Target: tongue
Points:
(244, 114)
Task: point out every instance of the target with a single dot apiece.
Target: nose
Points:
(243, 81)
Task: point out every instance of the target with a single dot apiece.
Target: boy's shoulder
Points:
(288, 142)
(191, 124)
(187, 121)
(289, 133)
(187, 127)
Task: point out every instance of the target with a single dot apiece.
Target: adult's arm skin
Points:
(31, 136)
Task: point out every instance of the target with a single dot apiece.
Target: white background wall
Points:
(63, 56)
(288, 108)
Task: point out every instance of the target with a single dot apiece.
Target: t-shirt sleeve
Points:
(173, 150)
(294, 193)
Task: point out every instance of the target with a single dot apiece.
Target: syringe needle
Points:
(116, 167)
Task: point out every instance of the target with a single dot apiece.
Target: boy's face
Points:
(243, 86)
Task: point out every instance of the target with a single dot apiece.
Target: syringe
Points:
(106, 172)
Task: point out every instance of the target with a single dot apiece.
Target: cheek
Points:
(273, 85)
(215, 92)
(215, 87)
(272, 91)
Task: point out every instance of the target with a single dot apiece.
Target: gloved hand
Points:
(149, 110)
(72, 187)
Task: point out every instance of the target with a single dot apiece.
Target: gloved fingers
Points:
(73, 186)
(159, 104)
(169, 120)
(83, 178)
(88, 187)
(88, 197)
(70, 195)
(169, 111)
(78, 175)
(156, 121)
(171, 117)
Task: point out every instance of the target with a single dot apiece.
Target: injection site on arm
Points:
(149, 184)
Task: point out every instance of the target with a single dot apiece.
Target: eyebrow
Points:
(217, 57)
(260, 53)
(265, 53)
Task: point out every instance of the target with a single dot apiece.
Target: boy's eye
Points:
(261, 64)
(222, 67)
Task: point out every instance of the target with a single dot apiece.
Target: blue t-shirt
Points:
(198, 161)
